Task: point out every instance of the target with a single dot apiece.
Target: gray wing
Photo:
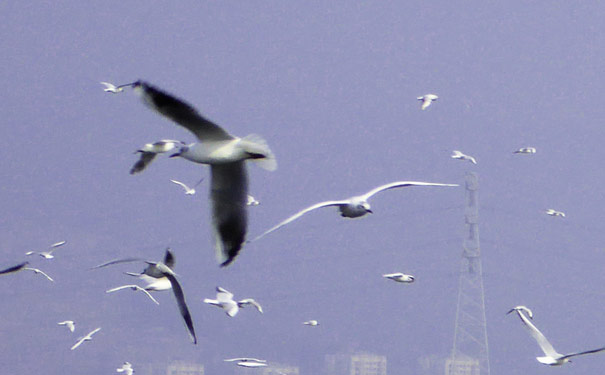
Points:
(229, 195)
(250, 301)
(581, 353)
(300, 213)
(401, 184)
(16, 268)
(145, 159)
(180, 112)
(180, 300)
(117, 261)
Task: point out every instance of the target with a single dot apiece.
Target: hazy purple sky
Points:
(332, 86)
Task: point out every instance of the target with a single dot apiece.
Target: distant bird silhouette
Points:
(150, 151)
(427, 100)
(111, 88)
(460, 156)
(311, 323)
(88, 337)
(69, 324)
(525, 150)
(399, 277)
(555, 213)
(224, 299)
(47, 254)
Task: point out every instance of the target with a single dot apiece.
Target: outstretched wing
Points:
(144, 160)
(117, 261)
(544, 344)
(180, 184)
(229, 195)
(180, 112)
(300, 213)
(398, 184)
(250, 301)
(16, 268)
(581, 353)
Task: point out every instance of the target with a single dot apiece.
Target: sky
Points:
(332, 87)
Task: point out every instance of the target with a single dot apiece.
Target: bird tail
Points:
(260, 152)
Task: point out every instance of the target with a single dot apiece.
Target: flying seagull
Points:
(551, 356)
(460, 156)
(399, 277)
(85, 338)
(311, 323)
(149, 152)
(245, 359)
(188, 190)
(427, 100)
(12, 269)
(555, 213)
(110, 87)
(47, 254)
(178, 295)
(525, 150)
(352, 207)
(126, 369)
(69, 324)
(224, 299)
(252, 201)
(133, 287)
(154, 279)
(226, 156)
(35, 270)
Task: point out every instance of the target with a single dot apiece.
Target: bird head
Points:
(181, 148)
(366, 206)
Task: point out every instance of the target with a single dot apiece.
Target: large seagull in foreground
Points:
(226, 156)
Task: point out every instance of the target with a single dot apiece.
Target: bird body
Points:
(224, 299)
(551, 356)
(555, 213)
(188, 190)
(47, 254)
(111, 88)
(399, 277)
(311, 323)
(251, 364)
(126, 368)
(427, 100)
(353, 207)
(525, 150)
(460, 156)
(226, 155)
(252, 201)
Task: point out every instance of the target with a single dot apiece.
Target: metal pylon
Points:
(470, 355)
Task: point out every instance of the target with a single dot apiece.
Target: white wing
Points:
(39, 271)
(229, 195)
(181, 185)
(397, 184)
(546, 346)
(109, 86)
(250, 301)
(80, 341)
(223, 295)
(180, 112)
(302, 212)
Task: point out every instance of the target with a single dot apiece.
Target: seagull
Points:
(311, 323)
(126, 369)
(47, 254)
(133, 287)
(178, 295)
(149, 152)
(85, 338)
(69, 323)
(38, 272)
(525, 150)
(460, 156)
(352, 207)
(154, 279)
(552, 212)
(551, 356)
(110, 87)
(245, 359)
(251, 364)
(226, 156)
(12, 269)
(224, 299)
(399, 277)
(252, 201)
(188, 190)
(427, 100)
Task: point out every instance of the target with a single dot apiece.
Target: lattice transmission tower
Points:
(470, 354)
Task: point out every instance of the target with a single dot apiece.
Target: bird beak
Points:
(369, 211)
